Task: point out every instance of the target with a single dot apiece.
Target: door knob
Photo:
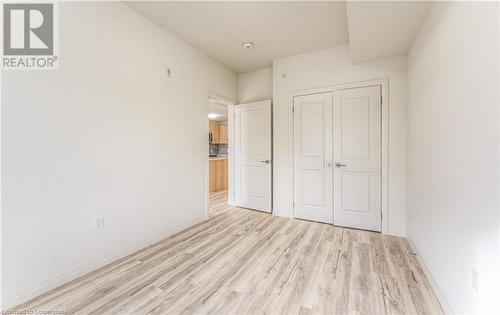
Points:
(340, 165)
(265, 161)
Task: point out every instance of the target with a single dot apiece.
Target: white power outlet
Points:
(99, 223)
(475, 280)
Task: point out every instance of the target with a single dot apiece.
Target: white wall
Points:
(255, 86)
(453, 150)
(329, 67)
(106, 134)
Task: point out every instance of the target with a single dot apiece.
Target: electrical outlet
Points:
(99, 223)
(475, 280)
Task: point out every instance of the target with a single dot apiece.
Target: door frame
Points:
(384, 86)
(214, 97)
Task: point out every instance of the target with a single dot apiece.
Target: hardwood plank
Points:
(241, 261)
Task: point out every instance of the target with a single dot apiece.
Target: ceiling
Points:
(278, 29)
(383, 29)
(219, 109)
(373, 29)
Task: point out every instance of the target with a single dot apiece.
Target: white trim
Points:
(230, 154)
(214, 97)
(384, 84)
(31, 291)
(444, 304)
(220, 98)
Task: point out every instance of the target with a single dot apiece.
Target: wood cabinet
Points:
(217, 175)
(218, 132)
(213, 129)
(223, 133)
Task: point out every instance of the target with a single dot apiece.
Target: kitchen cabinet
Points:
(213, 129)
(217, 175)
(218, 132)
(223, 133)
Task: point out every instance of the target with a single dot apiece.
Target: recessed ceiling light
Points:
(248, 45)
(212, 115)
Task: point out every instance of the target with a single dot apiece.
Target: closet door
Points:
(358, 158)
(313, 181)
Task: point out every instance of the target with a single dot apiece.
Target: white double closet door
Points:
(338, 157)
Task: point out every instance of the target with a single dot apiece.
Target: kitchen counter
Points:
(218, 157)
(217, 173)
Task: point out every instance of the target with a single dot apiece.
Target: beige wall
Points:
(107, 134)
(255, 86)
(329, 67)
(453, 145)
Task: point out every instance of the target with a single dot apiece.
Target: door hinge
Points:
(293, 108)
(380, 99)
(293, 204)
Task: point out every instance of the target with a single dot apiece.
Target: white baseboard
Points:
(31, 291)
(444, 304)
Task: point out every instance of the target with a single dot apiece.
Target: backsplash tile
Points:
(214, 149)
(218, 149)
(222, 149)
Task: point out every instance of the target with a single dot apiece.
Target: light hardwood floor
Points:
(246, 262)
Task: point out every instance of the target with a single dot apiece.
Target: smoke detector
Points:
(248, 45)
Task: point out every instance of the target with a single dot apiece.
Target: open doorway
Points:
(239, 156)
(218, 155)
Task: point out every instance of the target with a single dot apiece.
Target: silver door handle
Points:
(265, 161)
(340, 165)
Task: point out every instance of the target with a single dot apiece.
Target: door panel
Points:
(251, 178)
(358, 158)
(313, 181)
(252, 154)
(310, 196)
(355, 127)
(251, 131)
(311, 135)
(356, 187)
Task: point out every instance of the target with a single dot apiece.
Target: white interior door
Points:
(313, 181)
(357, 156)
(252, 155)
